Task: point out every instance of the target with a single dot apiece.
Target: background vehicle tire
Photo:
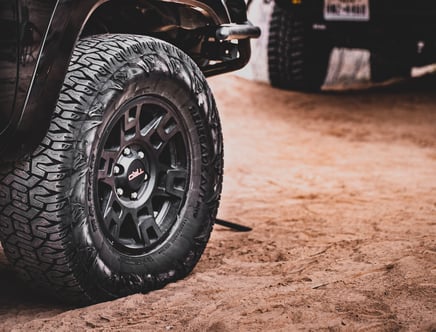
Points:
(297, 59)
(121, 195)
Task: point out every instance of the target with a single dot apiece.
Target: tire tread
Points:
(296, 60)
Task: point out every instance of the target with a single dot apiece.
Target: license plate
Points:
(346, 10)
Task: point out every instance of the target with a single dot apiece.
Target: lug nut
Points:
(120, 192)
(145, 177)
(126, 151)
(134, 196)
(141, 155)
(117, 170)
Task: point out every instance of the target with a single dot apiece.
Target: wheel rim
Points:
(142, 173)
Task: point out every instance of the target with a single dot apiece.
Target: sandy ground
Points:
(340, 189)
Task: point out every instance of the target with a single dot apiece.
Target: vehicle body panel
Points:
(390, 21)
(40, 58)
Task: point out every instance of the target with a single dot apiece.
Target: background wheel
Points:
(297, 59)
(121, 195)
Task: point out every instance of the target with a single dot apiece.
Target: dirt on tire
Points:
(340, 189)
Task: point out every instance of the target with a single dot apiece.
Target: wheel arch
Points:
(69, 19)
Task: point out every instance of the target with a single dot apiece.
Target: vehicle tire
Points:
(297, 59)
(121, 195)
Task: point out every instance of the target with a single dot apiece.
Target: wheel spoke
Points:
(108, 158)
(151, 127)
(160, 131)
(161, 192)
(108, 211)
(173, 155)
(130, 126)
(112, 218)
(109, 154)
(149, 206)
(103, 177)
(167, 128)
(149, 229)
(115, 231)
(175, 182)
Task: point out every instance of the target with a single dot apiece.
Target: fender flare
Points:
(29, 123)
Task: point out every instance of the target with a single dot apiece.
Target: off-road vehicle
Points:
(399, 34)
(110, 141)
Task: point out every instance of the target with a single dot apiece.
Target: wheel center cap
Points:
(136, 175)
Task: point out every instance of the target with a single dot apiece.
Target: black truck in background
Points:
(110, 140)
(399, 34)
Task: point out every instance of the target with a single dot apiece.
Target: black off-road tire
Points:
(121, 195)
(297, 59)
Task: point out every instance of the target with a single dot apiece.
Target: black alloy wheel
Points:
(143, 173)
